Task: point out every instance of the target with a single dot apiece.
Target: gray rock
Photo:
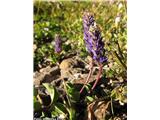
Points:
(47, 74)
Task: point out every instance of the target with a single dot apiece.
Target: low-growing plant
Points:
(55, 108)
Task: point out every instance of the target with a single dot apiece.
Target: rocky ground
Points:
(75, 70)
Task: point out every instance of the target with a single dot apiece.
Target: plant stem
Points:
(89, 75)
(65, 88)
(98, 76)
(112, 107)
(120, 60)
(119, 49)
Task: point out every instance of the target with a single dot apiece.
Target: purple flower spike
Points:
(58, 44)
(93, 38)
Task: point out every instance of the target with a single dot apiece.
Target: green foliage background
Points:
(65, 18)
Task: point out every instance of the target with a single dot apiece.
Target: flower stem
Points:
(89, 75)
(98, 76)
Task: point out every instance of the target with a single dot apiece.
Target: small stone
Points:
(34, 47)
(67, 63)
(120, 79)
(47, 74)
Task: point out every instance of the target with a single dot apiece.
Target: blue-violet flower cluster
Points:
(93, 38)
(58, 44)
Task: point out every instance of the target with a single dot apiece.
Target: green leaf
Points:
(52, 92)
(88, 87)
(60, 108)
(35, 91)
(72, 92)
(72, 114)
(90, 99)
(54, 113)
(37, 105)
(66, 48)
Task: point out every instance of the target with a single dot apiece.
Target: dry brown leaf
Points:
(98, 110)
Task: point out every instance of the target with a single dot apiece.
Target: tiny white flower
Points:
(111, 1)
(117, 20)
(46, 29)
(61, 116)
(120, 6)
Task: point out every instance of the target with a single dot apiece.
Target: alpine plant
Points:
(58, 44)
(94, 45)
